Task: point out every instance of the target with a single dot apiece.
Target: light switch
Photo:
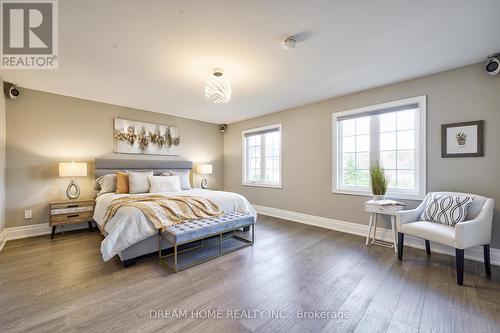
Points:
(28, 214)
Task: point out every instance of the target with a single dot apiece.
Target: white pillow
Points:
(107, 183)
(183, 177)
(138, 181)
(164, 184)
(447, 209)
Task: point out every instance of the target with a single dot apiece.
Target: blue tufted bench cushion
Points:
(195, 229)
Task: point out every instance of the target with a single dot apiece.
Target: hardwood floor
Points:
(63, 285)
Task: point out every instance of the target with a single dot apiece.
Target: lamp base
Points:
(73, 190)
(204, 183)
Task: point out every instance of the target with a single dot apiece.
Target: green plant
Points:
(461, 138)
(378, 179)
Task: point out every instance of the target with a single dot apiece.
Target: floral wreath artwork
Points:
(135, 137)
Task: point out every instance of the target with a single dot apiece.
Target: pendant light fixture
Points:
(218, 89)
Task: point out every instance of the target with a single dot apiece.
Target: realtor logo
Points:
(29, 34)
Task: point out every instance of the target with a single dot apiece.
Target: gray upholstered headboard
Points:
(103, 166)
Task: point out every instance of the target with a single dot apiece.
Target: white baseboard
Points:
(33, 230)
(2, 239)
(475, 253)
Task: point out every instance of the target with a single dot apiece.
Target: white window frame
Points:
(420, 150)
(244, 156)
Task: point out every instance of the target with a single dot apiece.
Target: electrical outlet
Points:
(28, 214)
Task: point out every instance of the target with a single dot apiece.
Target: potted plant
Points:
(378, 181)
(461, 138)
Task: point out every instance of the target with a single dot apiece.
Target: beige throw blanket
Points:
(164, 211)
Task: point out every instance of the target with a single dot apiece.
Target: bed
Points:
(129, 234)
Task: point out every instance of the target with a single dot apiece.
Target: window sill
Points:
(416, 197)
(262, 185)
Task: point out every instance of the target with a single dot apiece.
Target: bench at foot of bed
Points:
(198, 241)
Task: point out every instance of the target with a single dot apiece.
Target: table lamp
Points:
(204, 169)
(73, 169)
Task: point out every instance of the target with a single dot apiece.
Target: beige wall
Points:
(44, 129)
(2, 157)
(458, 95)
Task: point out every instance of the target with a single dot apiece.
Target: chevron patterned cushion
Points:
(446, 209)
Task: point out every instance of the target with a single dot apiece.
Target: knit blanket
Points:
(164, 211)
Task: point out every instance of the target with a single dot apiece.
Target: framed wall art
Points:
(136, 137)
(463, 139)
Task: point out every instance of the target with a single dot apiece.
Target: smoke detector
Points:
(289, 43)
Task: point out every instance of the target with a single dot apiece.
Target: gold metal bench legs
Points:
(204, 244)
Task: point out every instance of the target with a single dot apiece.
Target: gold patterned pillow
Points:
(122, 182)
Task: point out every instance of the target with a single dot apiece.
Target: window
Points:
(392, 134)
(262, 156)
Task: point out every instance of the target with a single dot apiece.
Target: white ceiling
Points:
(157, 55)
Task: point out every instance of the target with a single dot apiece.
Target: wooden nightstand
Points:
(71, 212)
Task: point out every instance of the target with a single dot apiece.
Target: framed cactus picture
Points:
(462, 139)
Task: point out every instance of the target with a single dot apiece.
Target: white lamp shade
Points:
(204, 169)
(72, 169)
(218, 90)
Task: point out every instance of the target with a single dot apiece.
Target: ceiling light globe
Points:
(218, 90)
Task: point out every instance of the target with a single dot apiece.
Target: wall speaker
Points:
(10, 90)
(493, 65)
(222, 128)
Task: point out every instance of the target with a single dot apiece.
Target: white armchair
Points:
(474, 231)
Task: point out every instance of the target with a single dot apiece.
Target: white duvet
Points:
(130, 225)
